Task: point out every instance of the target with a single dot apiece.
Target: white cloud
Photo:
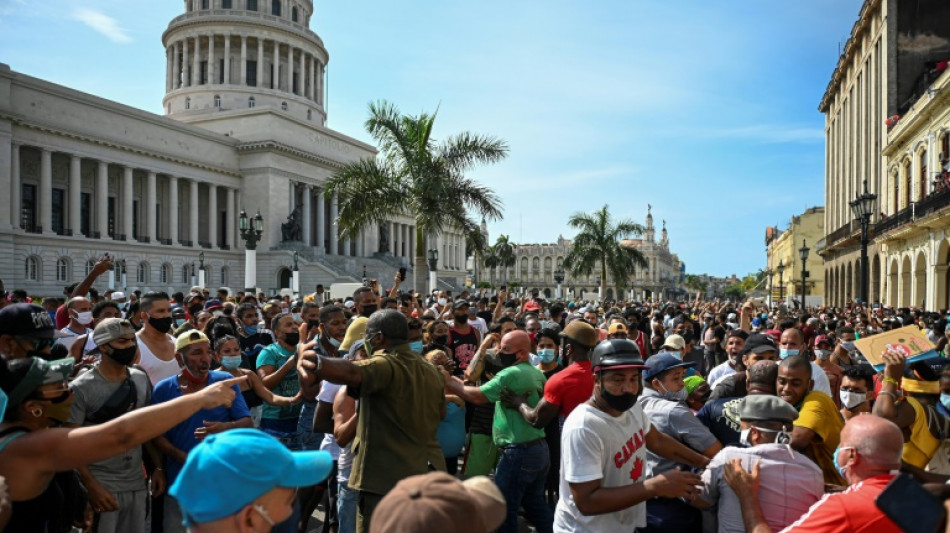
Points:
(103, 24)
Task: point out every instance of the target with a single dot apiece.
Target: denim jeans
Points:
(309, 440)
(346, 504)
(521, 475)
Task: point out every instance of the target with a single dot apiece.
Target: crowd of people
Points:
(394, 411)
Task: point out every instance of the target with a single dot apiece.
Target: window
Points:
(165, 273)
(217, 101)
(185, 274)
(32, 265)
(111, 216)
(252, 5)
(62, 269)
(224, 276)
(275, 8)
(188, 103)
(85, 210)
(250, 71)
(250, 102)
(203, 73)
(135, 219)
(59, 211)
(220, 73)
(922, 186)
(28, 207)
(283, 106)
(204, 4)
(226, 4)
(293, 14)
(142, 277)
(90, 264)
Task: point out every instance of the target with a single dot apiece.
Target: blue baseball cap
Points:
(229, 470)
(662, 362)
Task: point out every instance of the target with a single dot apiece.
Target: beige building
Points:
(784, 247)
(244, 130)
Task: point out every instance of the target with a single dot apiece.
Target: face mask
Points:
(944, 399)
(744, 437)
(507, 359)
(852, 399)
(123, 356)
(824, 355)
(195, 309)
(841, 469)
(441, 339)
(292, 338)
(442, 301)
(84, 318)
(416, 346)
(231, 362)
(60, 411)
(787, 352)
(849, 346)
(369, 309)
(179, 322)
(251, 330)
(687, 336)
(461, 319)
(296, 317)
(335, 343)
(546, 354)
(678, 396)
(161, 325)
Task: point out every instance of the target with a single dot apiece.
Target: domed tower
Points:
(649, 232)
(664, 237)
(225, 55)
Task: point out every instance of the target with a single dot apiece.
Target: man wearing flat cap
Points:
(790, 482)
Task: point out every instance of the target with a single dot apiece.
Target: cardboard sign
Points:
(908, 340)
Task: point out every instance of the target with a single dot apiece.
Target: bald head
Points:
(517, 342)
(877, 440)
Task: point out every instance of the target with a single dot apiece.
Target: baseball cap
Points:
(758, 343)
(692, 383)
(820, 339)
(532, 306)
(662, 362)
(675, 342)
(187, 338)
(118, 296)
(757, 322)
(617, 327)
(439, 502)
(460, 304)
(28, 320)
(190, 297)
(355, 331)
(111, 329)
(765, 407)
(213, 305)
(41, 372)
(582, 333)
(229, 470)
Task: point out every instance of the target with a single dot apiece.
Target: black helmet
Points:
(615, 354)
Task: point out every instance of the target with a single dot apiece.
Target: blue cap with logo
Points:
(662, 362)
(228, 471)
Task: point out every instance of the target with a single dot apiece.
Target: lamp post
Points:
(803, 253)
(558, 278)
(862, 207)
(124, 273)
(433, 259)
(201, 269)
(295, 282)
(251, 231)
(781, 289)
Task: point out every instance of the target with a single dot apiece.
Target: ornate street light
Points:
(295, 282)
(433, 259)
(781, 271)
(558, 278)
(252, 229)
(803, 253)
(863, 207)
(201, 269)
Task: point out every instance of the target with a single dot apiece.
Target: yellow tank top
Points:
(922, 445)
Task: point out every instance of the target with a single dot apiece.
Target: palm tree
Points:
(693, 282)
(598, 245)
(491, 262)
(416, 176)
(505, 251)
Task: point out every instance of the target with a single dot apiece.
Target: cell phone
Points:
(910, 506)
(504, 287)
(402, 274)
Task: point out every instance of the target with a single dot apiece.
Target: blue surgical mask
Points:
(251, 330)
(335, 343)
(849, 346)
(787, 352)
(678, 396)
(296, 317)
(547, 355)
(416, 346)
(841, 469)
(945, 400)
(231, 362)
(179, 322)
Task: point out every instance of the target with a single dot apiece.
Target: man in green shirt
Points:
(524, 463)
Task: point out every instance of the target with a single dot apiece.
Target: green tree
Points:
(416, 176)
(597, 245)
(694, 283)
(504, 250)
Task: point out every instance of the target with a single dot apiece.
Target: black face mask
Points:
(292, 338)
(369, 309)
(687, 336)
(507, 359)
(123, 356)
(618, 402)
(195, 309)
(461, 319)
(441, 339)
(161, 325)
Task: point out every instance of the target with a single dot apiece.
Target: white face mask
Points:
(744, 436)
(823, 354)
(84, 318)
(851, 400)
(442, 301)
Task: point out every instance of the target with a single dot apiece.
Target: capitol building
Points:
(244, 129)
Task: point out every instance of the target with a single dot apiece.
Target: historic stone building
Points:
(244, 131)
(783, 247)
(535, 265)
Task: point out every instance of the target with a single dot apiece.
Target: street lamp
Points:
(251, 231)
(781, 289)
(122, 270)
(862, 207)
(558, 278)
(803, 253)
(433, 259)
(201, 269)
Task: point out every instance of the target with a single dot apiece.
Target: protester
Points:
(440, 503)
(26, 330)
(857, 386)
(156, 347)
(345, 419)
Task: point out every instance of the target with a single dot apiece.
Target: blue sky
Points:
(706, 110)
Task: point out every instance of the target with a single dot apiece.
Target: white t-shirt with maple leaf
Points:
(595, 445)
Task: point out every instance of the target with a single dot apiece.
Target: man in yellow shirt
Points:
(818, 426)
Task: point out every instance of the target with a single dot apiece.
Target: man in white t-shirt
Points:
(476, 321)
(80, 318)
(604, 451)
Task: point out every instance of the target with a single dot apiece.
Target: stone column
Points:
(212, 80)
(348, 247)
(397, 239)
(173, 214)
(9, 216)
(260, 62)
(102, 200)
(176, 66)
(185, 64)
(75, 194)
(193, 210)
(242, 67)
(127, 193)
(227, 57)
(213, 215)
(302, 74)
(229, 221)
(307, 218)
(275, 77)
(151, 207)
(321, 224)
(168, 67)
(313, 79)
(290, 69)
(46, 190)
(411, 249)
(320, 79)
(392, 239)
(196, 69)
(334, 229)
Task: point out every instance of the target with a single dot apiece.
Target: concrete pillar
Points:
(348, 247)
(307, 219)
(334, 229)
(229, 215)
(227, 57)
(169, 52)
(75, 194)
(290, 69)
(173, 214)
(127, 194)
(242, 67)
(302, 75)
(275, 78)
(213, 215)
(193, 210)
(185, 64)
(313, 79)
(360, 242)
(46, 190)
(10, 183)
(260, 62)
(196, 69)
(176, 65)
(411, 249)
(392, 239)
(151, 207)
(321, 222)
(397, 239)
(102, 200)
(320, 79)
(212, 79)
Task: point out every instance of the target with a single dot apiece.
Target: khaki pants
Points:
(364, 510)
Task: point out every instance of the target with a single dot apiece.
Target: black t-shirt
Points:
(462, 347)
(248, 355)
(721, 416)
(486, 315)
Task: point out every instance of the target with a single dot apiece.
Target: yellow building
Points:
(784, 248)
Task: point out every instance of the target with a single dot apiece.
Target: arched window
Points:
(62, 269)
(275, 8)
(283, 106)
(90, 264)
(251, 102)
(225, 274)
(922, 185)
(217, 101)
(185, 274)
(32, 268)
(165, 273)
(293, 14)
(188, 103)
(252, 5)
(142, 277)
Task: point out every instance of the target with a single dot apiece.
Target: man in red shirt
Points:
(568, 388)
(870, 452)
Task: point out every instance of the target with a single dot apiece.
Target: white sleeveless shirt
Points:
(156, 369)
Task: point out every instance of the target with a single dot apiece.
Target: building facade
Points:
(244, 130)
(783, 247)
